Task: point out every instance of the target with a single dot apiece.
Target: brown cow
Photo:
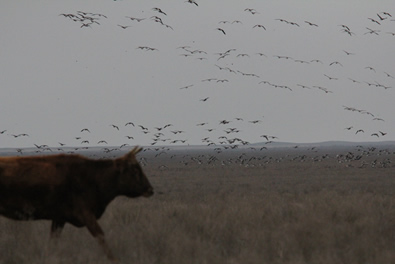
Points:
(68, 189)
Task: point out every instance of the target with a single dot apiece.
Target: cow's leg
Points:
(56, 228)
(96, 231)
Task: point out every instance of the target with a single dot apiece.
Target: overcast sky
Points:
(300, 71)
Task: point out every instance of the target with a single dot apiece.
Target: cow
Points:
(69, 189)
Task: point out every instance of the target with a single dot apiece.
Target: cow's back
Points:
(33, 187)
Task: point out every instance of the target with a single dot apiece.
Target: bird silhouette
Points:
(251, 10)
(192, 2)
(330, 78)
(220, 29)
(378, 119)
(372, 31)
(335, 62)
(259, 26)
(114, 126)
(370, 68)
(123, 27)
(159, 10)
(186, 87)
(311, 24)
(381, 18)
(375, 21)
(349, 53)
(136, 19)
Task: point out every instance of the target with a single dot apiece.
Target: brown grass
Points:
(284, 212)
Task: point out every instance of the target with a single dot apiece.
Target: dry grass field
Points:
(244, 206)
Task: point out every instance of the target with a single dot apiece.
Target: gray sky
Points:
(58, 78)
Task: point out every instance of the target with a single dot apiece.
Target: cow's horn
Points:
(136, 150)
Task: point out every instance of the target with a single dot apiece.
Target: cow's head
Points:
(132, 180)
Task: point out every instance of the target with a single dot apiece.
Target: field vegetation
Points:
(279, 212)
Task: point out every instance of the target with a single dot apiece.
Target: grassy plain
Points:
(245, 206)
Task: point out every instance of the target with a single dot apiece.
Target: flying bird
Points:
(317, 61)
(372, 31)
(157, 19)
(137, 19)
(261, 54)
(220, 29)
(124, 27)
(374, 20)
(255, 121)
(114, 126)
(224, 122)
(330, 78)
(85, 25)
(251, 10)
(378, 119)
(159, 10)
(370, 68)
(186, 87)
(335, 62)
(349, 53)
(303, 86)
(354, 81)
(381, 18)
(192, 2)
(311, 24)
(386, 13)
(260, 26)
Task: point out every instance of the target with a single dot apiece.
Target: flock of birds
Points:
(353, 157)
(227, 129)
(189, 52)
(160, 135)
